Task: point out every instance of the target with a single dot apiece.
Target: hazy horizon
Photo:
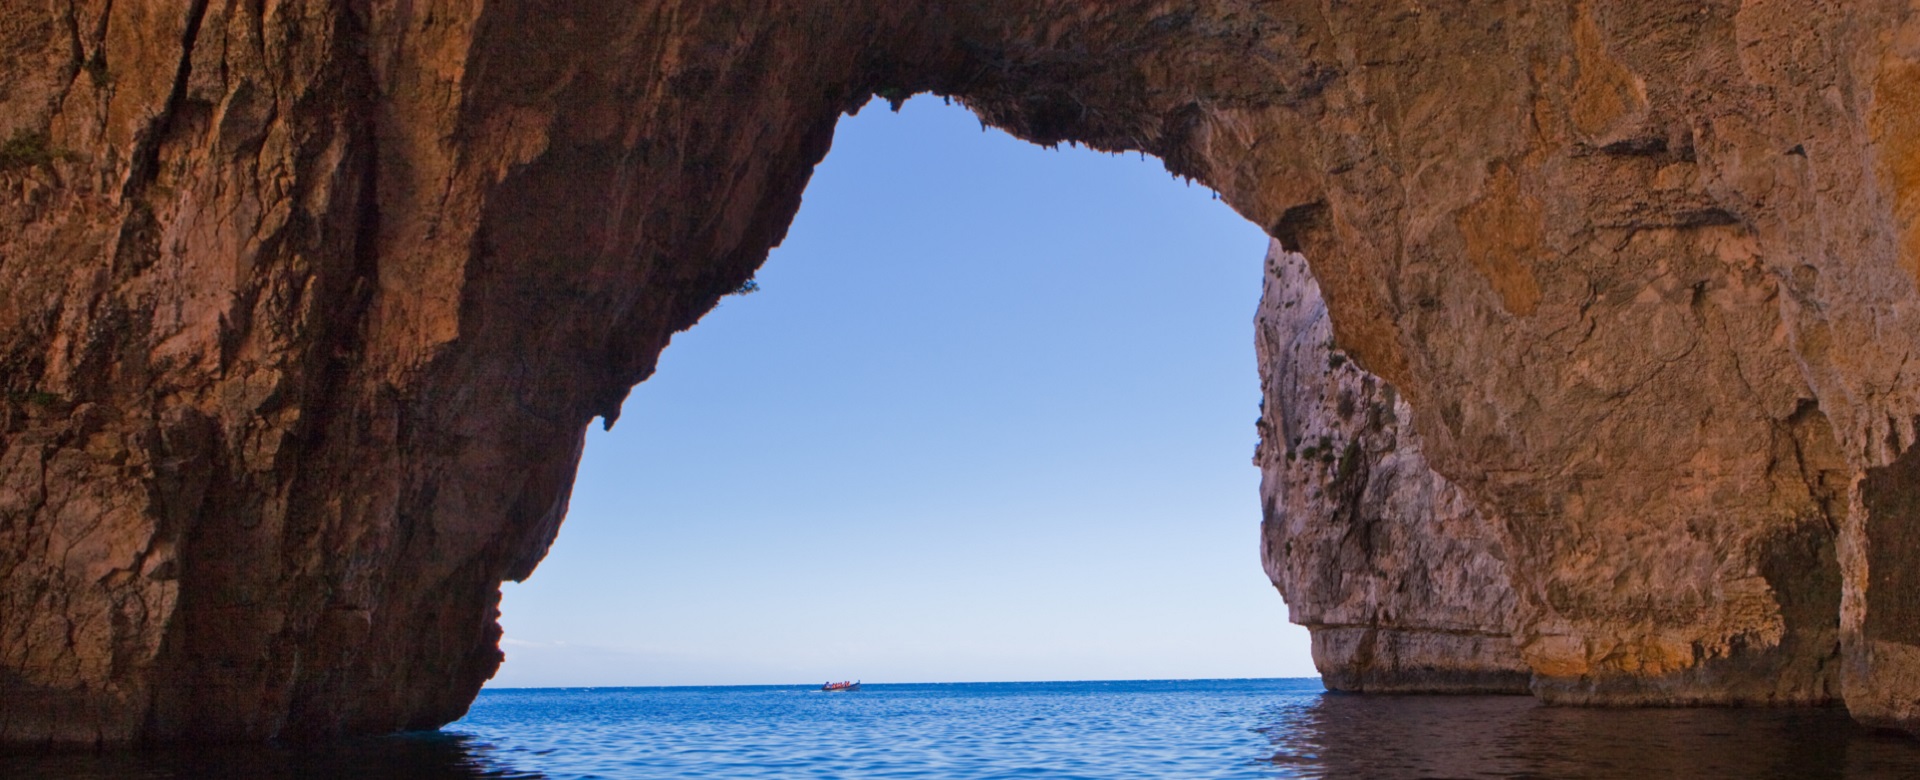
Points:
(988, 418)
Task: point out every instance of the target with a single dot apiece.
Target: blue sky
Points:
(989, 417)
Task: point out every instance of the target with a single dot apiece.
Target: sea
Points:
(1288, 728)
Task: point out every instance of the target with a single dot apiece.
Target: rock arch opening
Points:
(986, 418)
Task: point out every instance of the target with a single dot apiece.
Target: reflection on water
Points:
(1514, 736)
(427, 756)
(1173, 729)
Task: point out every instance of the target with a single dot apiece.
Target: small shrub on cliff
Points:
(34, 397)
(28, 148)
(1349, 464)
(1321, 450)
(747, 287)
(895, 97)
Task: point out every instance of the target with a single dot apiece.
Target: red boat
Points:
(841, 686)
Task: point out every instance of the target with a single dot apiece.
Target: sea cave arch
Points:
(985, 417)
(306, 309)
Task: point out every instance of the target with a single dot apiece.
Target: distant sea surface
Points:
(1151, 729)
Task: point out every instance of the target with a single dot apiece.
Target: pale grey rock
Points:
(1397, 575)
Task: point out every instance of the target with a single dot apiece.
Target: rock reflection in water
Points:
(1186, 729)
(424, 756)
(1342, 736)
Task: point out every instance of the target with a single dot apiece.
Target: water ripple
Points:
(1059, 731)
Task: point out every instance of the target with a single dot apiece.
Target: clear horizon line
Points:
(863, 682)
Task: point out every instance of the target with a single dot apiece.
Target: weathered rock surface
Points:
(304, 309)
(1397, 575)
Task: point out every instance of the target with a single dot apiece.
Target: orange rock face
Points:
(304, 309)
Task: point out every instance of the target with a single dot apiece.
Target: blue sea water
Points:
(1145, 729)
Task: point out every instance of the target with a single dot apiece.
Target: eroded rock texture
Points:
(1399, 577)
(304, 308)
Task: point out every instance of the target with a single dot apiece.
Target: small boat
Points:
(841, 686)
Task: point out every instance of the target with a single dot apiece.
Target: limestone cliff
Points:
(1399, 577)
(304, 308)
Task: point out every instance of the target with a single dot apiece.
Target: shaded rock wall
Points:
(304, 309)
(1399, 577)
